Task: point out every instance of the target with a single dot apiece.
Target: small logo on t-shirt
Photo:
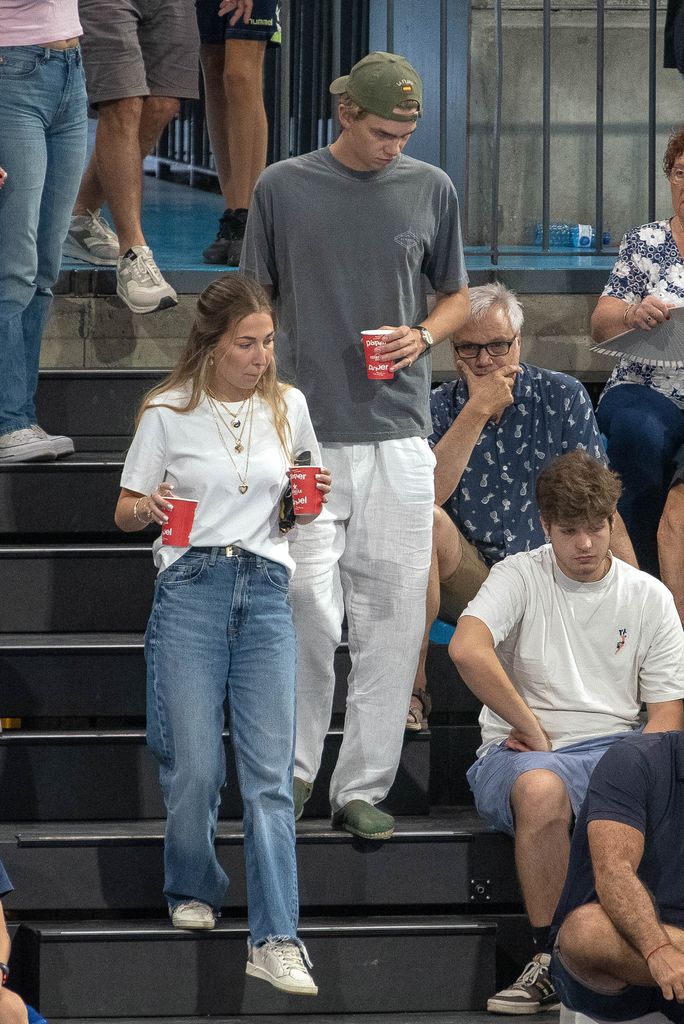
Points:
(622, 639)
(407, 239)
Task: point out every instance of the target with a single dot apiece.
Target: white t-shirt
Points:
(186, 450)
(583, 656)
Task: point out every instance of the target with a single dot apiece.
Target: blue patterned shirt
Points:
(494, 505)
(648, 263)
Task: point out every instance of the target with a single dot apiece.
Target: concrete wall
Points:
(573, 115)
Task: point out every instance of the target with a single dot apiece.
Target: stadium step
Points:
(94, 968)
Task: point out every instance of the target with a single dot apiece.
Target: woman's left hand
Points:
(323, 482)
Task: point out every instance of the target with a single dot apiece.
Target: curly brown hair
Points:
(675, 148)
(576, 489)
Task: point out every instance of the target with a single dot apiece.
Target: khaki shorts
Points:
(139, 48)
(462, 586)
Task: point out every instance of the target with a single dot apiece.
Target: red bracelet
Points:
(661, 946)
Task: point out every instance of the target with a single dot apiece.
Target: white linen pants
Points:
(369, 553)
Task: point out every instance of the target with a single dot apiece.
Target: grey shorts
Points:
(139, 48)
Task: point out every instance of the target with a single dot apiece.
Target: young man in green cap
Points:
(345, 239)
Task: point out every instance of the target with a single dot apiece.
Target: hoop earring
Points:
(211, 360)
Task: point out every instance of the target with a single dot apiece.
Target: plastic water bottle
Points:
(571, 236)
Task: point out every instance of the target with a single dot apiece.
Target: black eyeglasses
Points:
(468, 350)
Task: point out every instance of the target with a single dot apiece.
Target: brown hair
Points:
(220, 308)
(675, 148)
(576, 489)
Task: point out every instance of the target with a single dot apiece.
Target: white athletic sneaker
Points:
(91, 239)
(24, 446)
(140, 284)
(62, 445)
(193, 914)
(284, 965)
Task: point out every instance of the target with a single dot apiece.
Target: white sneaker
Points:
(285, 965)
(193, 914)
(25, 446)
(140, 284)
(91, 239)
(62, 445)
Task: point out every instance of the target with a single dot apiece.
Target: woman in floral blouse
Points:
(644, 426)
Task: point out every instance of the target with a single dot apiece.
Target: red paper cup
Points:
(374, 370)
(176, 531)
(306, 498)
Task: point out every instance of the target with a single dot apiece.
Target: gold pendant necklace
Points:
(216, 410)
(242, 477)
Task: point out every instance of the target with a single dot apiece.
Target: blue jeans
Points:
(222, 625)
(43, 128)
(643, 430)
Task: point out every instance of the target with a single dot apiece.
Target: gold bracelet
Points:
(144, 522)
(632, 305)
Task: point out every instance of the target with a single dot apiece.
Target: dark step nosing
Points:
(136, 736)
(311, 837)
(348, 927)
(76, 550)
(70, 642)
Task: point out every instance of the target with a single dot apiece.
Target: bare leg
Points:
(543, 815)
(446, 558)
(127, 130)
(595, 951)
(12, 1009)
(236, 118)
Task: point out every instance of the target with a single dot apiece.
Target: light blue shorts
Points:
(492, 776)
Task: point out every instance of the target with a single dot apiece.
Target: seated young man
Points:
(620, 949)
(494, 429)
(561, 644)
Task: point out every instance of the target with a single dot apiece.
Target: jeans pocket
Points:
(15, 65)
(186, 569)
(276, 574)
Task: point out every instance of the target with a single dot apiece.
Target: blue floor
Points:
(179, 222)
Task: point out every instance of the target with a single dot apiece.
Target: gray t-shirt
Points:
(346, 251)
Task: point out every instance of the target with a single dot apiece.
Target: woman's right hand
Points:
(158, 502)
(648, 313)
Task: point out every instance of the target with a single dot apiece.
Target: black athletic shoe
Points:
(227, 245)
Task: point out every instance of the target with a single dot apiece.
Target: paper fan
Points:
(663, 346)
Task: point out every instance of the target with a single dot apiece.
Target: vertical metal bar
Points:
(390, 26)
(546, 126)
(653, 14)
(496, 141)
(600, 67)
(283, 143)
(443, 56)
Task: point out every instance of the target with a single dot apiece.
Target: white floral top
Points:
(648, 263)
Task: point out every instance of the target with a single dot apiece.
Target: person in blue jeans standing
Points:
(43, 128)
(222, 430)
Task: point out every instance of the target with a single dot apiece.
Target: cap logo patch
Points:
(405, 85)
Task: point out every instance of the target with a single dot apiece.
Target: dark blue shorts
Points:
(263, 27)
(632, 1001)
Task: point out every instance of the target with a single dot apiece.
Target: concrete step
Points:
(447, 859)
(110, 775)
(93, 968)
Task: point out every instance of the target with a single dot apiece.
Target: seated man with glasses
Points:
(494, 429)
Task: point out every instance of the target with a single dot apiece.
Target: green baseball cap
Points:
(380, 82)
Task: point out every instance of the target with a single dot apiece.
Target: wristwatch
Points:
(4, 970)
(425, 335)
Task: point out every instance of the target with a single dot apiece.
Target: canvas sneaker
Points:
(140, 284)
(91, 239)
(25, 446)
(531, 993)
(227, 246)
(192, 914)
(284, 964)
(62, 445)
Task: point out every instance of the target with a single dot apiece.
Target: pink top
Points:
(34, 22)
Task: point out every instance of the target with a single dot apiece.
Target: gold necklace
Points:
(216, 409)
(243, 487)
(235, 416)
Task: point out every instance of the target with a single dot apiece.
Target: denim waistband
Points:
(72, 55)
